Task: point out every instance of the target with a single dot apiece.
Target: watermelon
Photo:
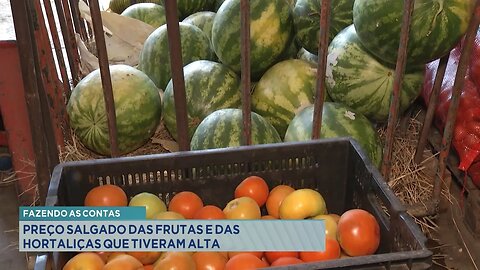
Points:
(338, 121)
(209, 86)
(306, 17)
(436, 27)
(150, 13)
(137, 106)
(224, 128)
(271, 31)
(118, 6)
(189, 7)
(358, 80)
(202, 20)
(154, 58)
(284, 90)
(305, 55)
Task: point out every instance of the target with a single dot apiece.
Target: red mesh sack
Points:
(466, 138)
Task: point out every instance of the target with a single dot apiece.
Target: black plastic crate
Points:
(337, 168)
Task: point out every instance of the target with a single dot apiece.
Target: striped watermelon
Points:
(306, 17)
(224, 128)
(202, 20)
(209, 86)
(271, 31)
(284, 90)
(436, 27)
(118, 6)
(150, 13)
(338, 121)
(137, 106)
(358, 80)
(189, 7)
(154, 58)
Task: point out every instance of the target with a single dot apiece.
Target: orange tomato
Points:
(113, 255)
(275, 198)
(123, 262)
(245, 262)
(148, 267)
(106, 195)
(242, 208)
(104, 255)
(284, 261)
(185, 203)
(257, 254)
(358, 233)
(254, 187)
(335, 217)
(209, 260)
(332, 251)
(175, 261)
(267, 217)
(145, 257)
(274, 255)
(209, 212)
(85, 260)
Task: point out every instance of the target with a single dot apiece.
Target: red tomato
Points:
(209, 260)
(106, 195)
(332, 251)
(257, 254)
(245, 262)
(274, 255)
(254, 187)
(209, 212)
(358, 233)
(186, 203)
(286, 261)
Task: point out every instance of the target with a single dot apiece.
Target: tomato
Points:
(242, 208)
(106, 195)
(301, 204)
(209, 260)
(123, 262)
(148, 267)
(175, 261)
(275, 198)
(145, 257)
(274, 255)
(185, 203)
(254, 187)
(332, 251)
(168, 215)
(358, 233)
(284, 261)
(335, 217)
(267, 217)
(245, 262)
(257, 254)
(85, 260)
(152, 203)
(330, 225)
(209, 212)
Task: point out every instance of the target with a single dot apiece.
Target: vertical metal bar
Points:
(70, 42)
(397, 85)
(245, 70)
(322, 66)
(51, 93)
(77, 21)
(432, 105)
(455, 100)
(105, 74)
(57, 45)
(24, 29)
(71, 34)
(176, 64)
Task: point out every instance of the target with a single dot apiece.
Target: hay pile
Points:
(411, 182)
(161, 142)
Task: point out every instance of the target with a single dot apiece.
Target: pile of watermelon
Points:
(364, 38)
